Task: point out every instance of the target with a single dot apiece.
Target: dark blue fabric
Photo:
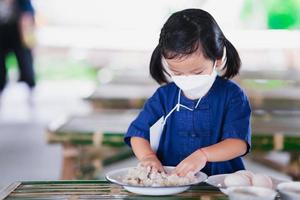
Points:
(224, 112)
(25, 6)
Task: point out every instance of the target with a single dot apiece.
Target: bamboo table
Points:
(91, 141)
(75, 190)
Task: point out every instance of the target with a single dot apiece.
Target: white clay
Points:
(237, 179)
(261, 180)
(247, 173)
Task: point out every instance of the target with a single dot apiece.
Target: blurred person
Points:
(16, 35)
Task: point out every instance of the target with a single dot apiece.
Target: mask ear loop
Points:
(180, 105)
(198, 103)
(168, 115)
(175, 108)
(178, 100)
(186, 107)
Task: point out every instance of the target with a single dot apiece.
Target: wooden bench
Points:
(97, 190)
(91, 141)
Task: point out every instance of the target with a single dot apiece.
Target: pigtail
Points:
(156, 67)
(233, 61)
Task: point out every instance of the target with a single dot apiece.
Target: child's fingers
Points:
(184, 169)
(160, 168)
(179, 168)
(183, 172)
(153, 164)
(157, 166)
(146, 164)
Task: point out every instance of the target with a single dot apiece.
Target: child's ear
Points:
(219, 63)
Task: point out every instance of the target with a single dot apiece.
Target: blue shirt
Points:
(224, 112)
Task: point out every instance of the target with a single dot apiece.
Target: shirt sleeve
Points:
(237, 119)
(150, 113)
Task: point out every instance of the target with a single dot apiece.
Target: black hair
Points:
(184, 33)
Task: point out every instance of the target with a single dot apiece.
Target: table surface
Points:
(71, 190)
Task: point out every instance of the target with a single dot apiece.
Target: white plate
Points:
(117, 175)
(218, 181)
(286, 190)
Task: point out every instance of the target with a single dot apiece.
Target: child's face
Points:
(193, 64)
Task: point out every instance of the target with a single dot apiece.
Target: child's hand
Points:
(193, 163)
(152, 161)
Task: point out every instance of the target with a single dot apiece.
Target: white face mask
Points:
(194, 86)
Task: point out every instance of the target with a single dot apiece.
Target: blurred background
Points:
(90, 61)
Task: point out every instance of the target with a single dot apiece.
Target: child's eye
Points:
(177, 74)
(199, 72)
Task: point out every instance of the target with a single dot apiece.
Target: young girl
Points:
(206, 116)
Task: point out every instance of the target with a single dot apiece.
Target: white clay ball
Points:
(236, 179)
(247, 173)
(261, 180)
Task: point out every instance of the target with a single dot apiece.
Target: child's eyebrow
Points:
(195, 70)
